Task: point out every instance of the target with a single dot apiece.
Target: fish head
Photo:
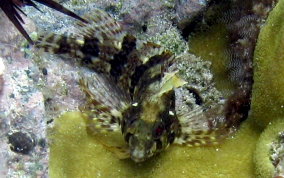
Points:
(146, 139)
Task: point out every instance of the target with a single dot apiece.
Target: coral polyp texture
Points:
(269, 155)
(268, 97)
(75, 153)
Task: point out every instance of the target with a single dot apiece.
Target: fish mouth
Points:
(138, 155)
(138, 160)
(141, 150)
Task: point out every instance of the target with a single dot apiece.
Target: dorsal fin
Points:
(103, 27)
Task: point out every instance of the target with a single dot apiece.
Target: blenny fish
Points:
(132, 93)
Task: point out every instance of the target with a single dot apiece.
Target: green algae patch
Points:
(264, 165)
(212, 45)
(268, 89)
(75, 153)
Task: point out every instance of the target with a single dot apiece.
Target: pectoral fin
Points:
(170, 81)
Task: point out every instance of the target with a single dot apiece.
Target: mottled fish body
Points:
(134, 94)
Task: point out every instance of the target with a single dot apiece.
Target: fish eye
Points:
(158, 131)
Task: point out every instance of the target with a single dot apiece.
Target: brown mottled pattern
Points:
(148, 121)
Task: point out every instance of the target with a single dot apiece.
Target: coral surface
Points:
(269, 153)
(74, 153)
(268, 95)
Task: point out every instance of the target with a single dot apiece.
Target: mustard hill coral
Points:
(268, 95)
(266, 154)
(75, 153)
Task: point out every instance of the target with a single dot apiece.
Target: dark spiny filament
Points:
(12, 10)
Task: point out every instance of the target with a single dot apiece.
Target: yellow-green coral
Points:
(264, 166)
(268, 89)
(74, 153)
